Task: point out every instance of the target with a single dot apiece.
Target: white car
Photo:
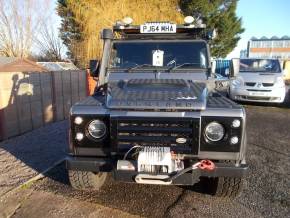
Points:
(259, 80)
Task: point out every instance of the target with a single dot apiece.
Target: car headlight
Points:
(237, 82)
(279, 82)
(214, 131)
(97, 129)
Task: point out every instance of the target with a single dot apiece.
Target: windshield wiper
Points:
(181, 65)
(139, 66)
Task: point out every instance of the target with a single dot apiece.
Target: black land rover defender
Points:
(155, 117)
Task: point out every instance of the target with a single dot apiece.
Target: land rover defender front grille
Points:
(181, 134)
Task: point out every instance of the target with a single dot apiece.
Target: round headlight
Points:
(97, 129)
(214, 131)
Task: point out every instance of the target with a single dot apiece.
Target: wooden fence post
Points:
(2, 118)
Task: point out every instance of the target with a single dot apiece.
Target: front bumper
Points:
(189, 178)
(273, 94)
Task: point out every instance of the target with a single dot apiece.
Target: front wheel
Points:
(82, 180)
(224, 186)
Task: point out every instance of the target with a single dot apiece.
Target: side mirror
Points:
(94, 68)
(235, 67)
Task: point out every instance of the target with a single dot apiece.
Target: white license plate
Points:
(258, 94)
(158, 28)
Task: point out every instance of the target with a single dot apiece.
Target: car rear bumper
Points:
(274, 95)
(189, 178)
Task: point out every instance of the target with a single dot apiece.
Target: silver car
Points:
(259, 80)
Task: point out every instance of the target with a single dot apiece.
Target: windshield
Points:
(259, 65)
(179, 54)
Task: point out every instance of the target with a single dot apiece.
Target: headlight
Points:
(97, 129)
(234, 140)
(279, 82)
(236, 123)
(237, 82)
(78, 120)
(214, 131)
(79, 136)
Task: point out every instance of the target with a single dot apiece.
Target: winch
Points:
(159, 165)
(158, 160)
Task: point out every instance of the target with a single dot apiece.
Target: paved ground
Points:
(266, 192)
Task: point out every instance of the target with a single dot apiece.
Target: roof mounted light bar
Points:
(189, 22)
(193, 28)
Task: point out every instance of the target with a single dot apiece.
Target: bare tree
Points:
(19, 24)
(48, 43)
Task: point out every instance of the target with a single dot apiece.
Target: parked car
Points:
(259, 80)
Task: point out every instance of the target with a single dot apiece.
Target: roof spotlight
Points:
(200, 23)
(127, 21)
(119, 23)
(188, 20)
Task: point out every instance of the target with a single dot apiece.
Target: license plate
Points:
(258, 94)
(158, 28)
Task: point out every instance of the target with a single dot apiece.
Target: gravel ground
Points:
(25, 156)
(266, 192)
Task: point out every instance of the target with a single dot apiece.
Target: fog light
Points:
(78, 120)
(234, 140)
(79, 136)
(236, 123)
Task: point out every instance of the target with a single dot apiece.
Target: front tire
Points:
(83, 180)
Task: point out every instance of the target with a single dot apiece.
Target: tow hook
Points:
(205, 165)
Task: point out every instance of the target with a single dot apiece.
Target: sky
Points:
(259, 18)
(262, 18)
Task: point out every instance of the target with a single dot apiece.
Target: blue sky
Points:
(262, 18)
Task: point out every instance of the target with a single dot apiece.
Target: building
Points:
(14, 64)
(58, 66)
(273, 47)
(243, 53)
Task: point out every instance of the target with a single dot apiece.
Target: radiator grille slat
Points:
(148, 131)
(142, 129)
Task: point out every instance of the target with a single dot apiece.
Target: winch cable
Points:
(202, 165)
(136, 146)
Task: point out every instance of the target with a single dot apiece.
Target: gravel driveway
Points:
(25, 156)
(266, 192)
